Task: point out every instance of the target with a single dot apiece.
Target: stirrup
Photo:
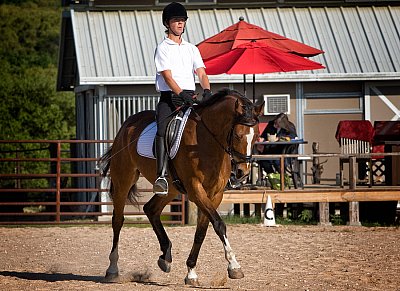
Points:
(160, 186)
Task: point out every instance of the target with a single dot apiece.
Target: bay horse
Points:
(220, 131)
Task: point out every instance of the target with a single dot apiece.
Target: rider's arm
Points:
(203, 78)
(167, 75)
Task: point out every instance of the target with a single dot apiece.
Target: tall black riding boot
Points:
(160, 186)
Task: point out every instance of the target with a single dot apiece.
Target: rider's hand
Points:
(206, 94)
(187, 98)
(177, 100)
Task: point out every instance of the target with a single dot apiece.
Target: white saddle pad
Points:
(146, 139)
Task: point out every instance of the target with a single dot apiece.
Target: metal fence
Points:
(45, 182)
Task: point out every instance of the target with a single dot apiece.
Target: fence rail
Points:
(59, 184)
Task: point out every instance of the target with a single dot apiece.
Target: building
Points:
(107, 47)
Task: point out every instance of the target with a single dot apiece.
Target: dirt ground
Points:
(280, 258)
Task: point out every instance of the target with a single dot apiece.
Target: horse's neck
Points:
(219, 118)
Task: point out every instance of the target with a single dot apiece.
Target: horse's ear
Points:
(259, 108)
(238, 107)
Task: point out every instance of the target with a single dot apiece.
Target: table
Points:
(283, 147)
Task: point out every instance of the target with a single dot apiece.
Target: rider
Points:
(176, 62)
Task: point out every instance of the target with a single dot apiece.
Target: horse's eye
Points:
(237, 136)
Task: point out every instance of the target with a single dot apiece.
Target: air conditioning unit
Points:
(275, 104)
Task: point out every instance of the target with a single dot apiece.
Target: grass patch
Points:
(236, 219)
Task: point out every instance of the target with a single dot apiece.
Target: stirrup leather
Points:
(160, 186)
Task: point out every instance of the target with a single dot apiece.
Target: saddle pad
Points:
(146, 138)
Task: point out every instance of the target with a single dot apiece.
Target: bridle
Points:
(245, 119)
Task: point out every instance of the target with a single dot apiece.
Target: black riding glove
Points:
(177, 100)
(206, 94)
(187, 98)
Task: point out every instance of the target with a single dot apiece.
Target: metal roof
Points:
(360, 43)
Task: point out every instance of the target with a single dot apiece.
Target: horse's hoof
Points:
(164, 265)
(235, 274)
(111, 278)
(191, 282)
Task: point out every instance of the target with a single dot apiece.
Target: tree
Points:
(31, 107)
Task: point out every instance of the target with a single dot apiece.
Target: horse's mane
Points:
(218, 96)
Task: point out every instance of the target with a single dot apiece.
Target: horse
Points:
(219, 132)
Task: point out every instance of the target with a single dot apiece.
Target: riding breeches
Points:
(163, 112)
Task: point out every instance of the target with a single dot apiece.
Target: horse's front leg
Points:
(201, 231)
(153, 209)
(209, 207)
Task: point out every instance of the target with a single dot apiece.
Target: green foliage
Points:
(29, 34)
(306, 215)
(336, 219)
(236, 219)
(31, 108)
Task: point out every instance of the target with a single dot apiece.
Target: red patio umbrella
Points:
(257, 58)
(243, 32)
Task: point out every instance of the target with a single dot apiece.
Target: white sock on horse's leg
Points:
(191, 277)
(230, 256)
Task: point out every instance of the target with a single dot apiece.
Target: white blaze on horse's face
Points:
(249, 137)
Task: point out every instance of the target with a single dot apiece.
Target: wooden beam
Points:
(302, 196)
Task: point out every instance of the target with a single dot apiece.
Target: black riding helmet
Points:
(173, 10)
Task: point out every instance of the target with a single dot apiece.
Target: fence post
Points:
(192, 212)
(282, 168)
(58, 183)
(354, 207)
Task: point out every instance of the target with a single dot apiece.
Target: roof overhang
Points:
(266, 78)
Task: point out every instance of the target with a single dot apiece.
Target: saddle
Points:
(173, 136)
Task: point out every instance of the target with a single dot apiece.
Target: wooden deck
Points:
(316, 193)
(313, 194)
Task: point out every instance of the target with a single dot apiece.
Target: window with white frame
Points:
(276, 103)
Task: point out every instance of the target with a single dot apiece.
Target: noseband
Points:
(236, 156)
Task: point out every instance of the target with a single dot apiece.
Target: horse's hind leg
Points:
(120, 194)
(153, 209)
(201, 231)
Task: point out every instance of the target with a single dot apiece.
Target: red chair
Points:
(386, 135)
(355, 137)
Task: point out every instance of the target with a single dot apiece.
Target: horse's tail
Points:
(104, 166)
(104, 162)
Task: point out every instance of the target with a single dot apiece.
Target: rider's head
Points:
(175, 11)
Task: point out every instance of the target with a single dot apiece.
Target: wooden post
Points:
(316, 167)
(317, 171)
(354, 207)
(258, 209)
(192, 213)
(324, 214)
(282, 168)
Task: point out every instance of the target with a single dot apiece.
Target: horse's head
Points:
(245, 133)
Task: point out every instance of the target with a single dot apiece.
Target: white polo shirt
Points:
(182, 59)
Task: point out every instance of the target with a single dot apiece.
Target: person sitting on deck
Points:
(278, 129)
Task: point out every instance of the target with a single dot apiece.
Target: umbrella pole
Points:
(254, 88)
(244, 85)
